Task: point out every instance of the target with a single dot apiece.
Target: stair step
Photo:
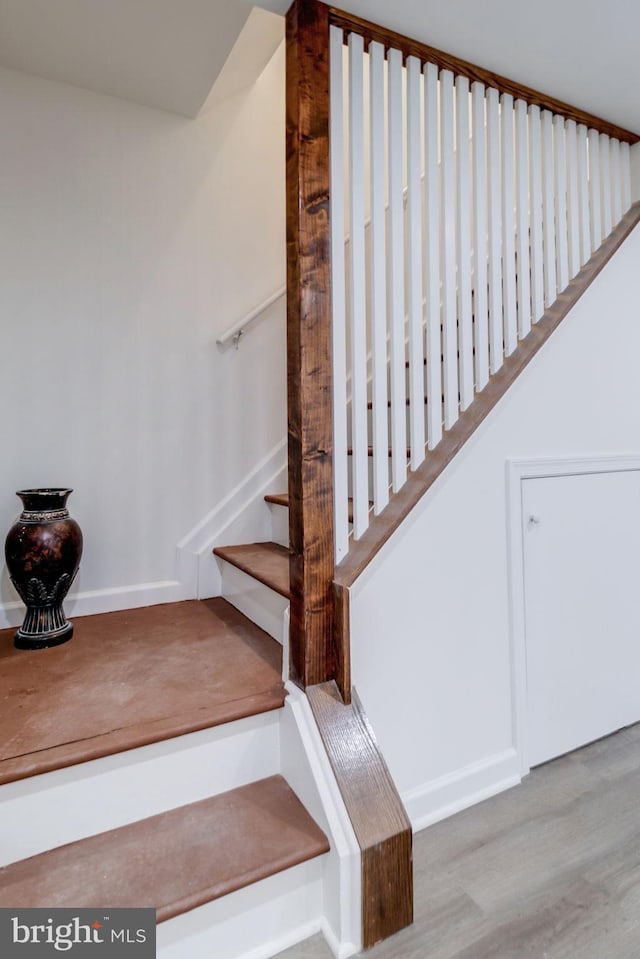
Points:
(282, 499)
(131, 678)
(370, 451)
(407, 403)
(266, 562)
(177, 860)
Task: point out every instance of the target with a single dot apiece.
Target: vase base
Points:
(55, 637)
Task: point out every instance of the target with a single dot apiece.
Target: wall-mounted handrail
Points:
(234, 333)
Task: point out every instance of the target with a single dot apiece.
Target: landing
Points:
(131, 678)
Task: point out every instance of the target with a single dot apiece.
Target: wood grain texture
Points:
(418, 482)
(445, 61)
(266, 562)
(131, 678)
(547, 869)
(309, 353)
(177, 860)
(375, 809)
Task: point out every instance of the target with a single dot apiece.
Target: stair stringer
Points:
(241, 517)
(306, 767)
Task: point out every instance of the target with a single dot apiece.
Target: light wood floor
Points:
(548, 870)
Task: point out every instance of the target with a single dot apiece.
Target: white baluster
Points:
(537, 237)
(625, 173)
(573, 202)
(548, 210)
(495, 232)
(463, 234)
(508, 226)
(616, 182)
(432, 256)
(605, 184)
(338, 297)
(378, 275)
(583, 194)
(357, 286)
(448, 199)
(396, 274)
(522, 215)
(560, 177)
(480, 304)
(414, 237)
(594, 189)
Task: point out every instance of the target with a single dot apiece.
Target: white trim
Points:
(447, 795)
(517, 471)
(240, 517)
(306, 767)
(90, 602)
(254, 922)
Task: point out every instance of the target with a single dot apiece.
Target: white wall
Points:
(431, 654)
(129, 239)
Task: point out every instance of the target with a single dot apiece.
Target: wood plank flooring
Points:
(548, 870)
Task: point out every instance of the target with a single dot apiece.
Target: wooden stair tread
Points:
(282, 499)
(370, 451)
(406, 403)
(130, 678)
(174, 861)
(266, 562)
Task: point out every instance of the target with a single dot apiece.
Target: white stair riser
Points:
(279, 524)
(92, 797)
(252, 923)
(258, 602)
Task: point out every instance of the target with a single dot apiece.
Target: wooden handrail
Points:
(383, 525)
(413, 48)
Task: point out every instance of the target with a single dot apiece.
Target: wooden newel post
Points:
(309, 374)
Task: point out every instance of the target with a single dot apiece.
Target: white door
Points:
(582, 612)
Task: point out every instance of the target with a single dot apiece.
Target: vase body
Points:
(43, 550)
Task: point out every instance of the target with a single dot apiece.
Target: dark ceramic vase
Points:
(43, 550)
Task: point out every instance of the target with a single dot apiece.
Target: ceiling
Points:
(584, 52)
(162, 53)
(169, 53)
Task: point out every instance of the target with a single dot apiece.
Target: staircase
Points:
(161, 758)
(142, 766)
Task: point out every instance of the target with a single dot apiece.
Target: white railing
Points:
(234, 334)
(468, 213)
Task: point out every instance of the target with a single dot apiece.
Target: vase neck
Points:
(44, 500)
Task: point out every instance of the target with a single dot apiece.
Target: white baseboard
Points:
(90, 602)
(241, 517)
(450, 794)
